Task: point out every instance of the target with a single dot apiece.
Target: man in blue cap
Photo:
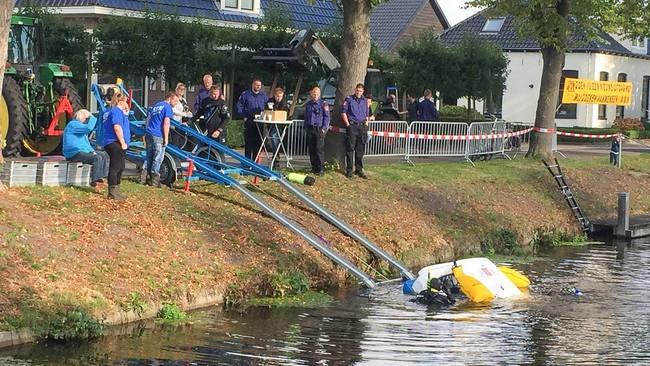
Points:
(250, 103)
(354, 114)
(317, 122)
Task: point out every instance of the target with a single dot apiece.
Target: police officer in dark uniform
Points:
(317, 122)
(354, 114)
(214, 112)
(250, 103)
(412, 110)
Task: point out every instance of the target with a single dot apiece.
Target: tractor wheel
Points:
(13, 117)
(52, 144)
(61, 85)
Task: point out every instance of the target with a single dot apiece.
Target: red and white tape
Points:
(588, 136)
(420, 136)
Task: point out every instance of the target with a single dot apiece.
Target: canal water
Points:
(610, 324)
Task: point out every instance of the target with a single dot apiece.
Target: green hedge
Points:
(585, 130)
(235, 136)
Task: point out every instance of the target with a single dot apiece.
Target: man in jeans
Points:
(157, 136)
(77, 148)
(354, 114)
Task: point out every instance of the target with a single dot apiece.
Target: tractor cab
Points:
(38, 98)
(26, 44)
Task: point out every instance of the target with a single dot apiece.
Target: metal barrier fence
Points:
(486, 147)
(420, 145)
(392, 140)
(423, 139)
(296, 141)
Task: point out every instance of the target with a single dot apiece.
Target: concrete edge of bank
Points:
(201, 300)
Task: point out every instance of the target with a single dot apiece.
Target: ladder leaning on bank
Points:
(556, 172)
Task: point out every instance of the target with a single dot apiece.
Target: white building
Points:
(605, 59)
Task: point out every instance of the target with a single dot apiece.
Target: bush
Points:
(501, 241)
(235, 134)
(628, 124)
(288, 283)
(457, 113)
(70, 324)
(633, 134)
(545, 238)
(585, 130)
(171, 313)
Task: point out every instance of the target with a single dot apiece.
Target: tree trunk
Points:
(6, 8)
(541, 143)
(354, 63)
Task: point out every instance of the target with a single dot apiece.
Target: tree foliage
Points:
(184, 51)
(556, 25)
(475, 69)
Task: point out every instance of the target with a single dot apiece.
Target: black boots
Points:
(114, 193)
(155, 180)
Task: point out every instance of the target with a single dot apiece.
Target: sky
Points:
(453, 10)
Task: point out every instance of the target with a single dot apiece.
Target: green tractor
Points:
(38, 98)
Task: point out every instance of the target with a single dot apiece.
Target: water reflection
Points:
(610, 324)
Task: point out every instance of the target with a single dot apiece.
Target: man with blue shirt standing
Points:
(157, 136)
(77, 148)
(317, 122)
(354, 114)
(117, 137)
(250, 103)
(427, 108)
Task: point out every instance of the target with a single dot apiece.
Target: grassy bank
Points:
(69, 256)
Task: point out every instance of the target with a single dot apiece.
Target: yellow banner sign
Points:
(596, 92)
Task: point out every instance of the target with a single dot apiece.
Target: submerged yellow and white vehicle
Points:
(478, 278)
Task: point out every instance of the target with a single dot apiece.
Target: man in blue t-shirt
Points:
(157, 136)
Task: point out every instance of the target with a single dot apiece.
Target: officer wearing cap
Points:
(250, 103)
(317, 122)
(354, 114)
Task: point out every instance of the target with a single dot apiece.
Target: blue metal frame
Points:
(220, 172)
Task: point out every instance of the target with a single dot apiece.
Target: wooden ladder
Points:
(556, 172)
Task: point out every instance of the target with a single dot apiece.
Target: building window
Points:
(620, 110)
(638, 42)
(566, 111)
(602, 108)
(493, 25)
(241, 5)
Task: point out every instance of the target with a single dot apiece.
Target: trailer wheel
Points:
(168, 170)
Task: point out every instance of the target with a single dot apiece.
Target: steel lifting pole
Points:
(347, 229)
(213, 173)
(316, 243)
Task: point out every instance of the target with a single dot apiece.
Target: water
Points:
(610, 324)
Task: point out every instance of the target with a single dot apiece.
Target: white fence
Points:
(420, 139)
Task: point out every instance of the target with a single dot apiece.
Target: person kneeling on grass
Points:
(77, 148)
